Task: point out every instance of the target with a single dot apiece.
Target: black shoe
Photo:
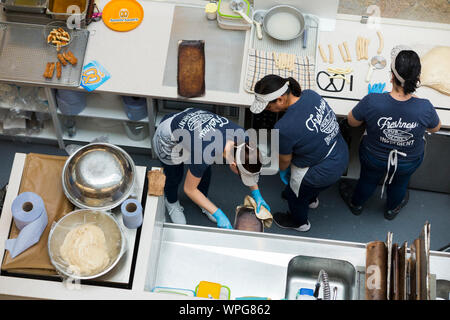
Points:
(285, 221)
(346, 192)
(313, 205)
(391, 214)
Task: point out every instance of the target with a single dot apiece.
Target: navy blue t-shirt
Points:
(308, 130)
(200, 131)
(393, 124)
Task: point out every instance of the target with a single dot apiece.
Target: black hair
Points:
(249, 165)
(408, 67)
(273, 82)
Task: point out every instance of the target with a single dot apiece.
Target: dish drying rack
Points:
(295, 46)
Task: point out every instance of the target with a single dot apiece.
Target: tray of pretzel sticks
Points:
(42, 54)
(294, 58)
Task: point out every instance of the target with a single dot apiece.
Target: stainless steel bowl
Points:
(98, 176)
(115, 239)
(283, 9)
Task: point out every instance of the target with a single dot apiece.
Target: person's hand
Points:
(256, 194)
(285, 175)
(377, 87)
(222, 220)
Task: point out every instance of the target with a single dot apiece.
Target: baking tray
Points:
(36, 6)
(24, 54)
(65, 16)
(295, 46)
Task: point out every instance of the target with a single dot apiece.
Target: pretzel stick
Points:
(366, 54)
(381, 42)
(347, 51)
(322, 54)
(292, 62)
(341, 50)
(358, 46)
(330, 49)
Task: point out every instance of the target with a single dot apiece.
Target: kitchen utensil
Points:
(191, 68)
(18, 65)
(57, 9)
(136, 131)
(232, 24)
(212, 290)
(98, 176)
(258, 19)
(326, 83)
(55, 25)
(284, 22)
(335, 290)
(238, 7)
(115, 239)
(211, 11)
(376, 270)
(377, 62)
(226, 13)
(34, 6)
(305, 37)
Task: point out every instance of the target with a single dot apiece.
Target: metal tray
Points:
(37, 6)
(65, 16)
(24, 54)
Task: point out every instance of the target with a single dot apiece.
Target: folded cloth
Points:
(262, 63)
(264, 215)
(156, 182)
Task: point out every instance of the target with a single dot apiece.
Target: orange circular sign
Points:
(122, 15)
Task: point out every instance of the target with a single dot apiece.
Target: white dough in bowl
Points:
(84, 250)
(436, 69)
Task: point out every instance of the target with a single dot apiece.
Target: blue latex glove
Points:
(259, 200)
(222, 220)
(377, 88)
(285, 175)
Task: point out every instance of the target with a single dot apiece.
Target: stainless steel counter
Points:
(249, 263)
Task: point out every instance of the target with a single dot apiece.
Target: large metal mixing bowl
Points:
(287, 10)
(115, 239)
(98, 176)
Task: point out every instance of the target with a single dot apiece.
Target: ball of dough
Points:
(436, 68)
(85, 251)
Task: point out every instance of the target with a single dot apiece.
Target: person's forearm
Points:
(199, 199)
(255, 187)
(284, 164)
(435, 129)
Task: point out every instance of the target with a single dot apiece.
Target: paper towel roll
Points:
(131, 213)
(30, 217)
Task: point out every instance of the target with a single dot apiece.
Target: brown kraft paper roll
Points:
(41, 175)
(376, 271)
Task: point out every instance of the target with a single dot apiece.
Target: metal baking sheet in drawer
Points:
(24, 54)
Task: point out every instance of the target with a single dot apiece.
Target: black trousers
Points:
(174, 177)
(299, 206)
